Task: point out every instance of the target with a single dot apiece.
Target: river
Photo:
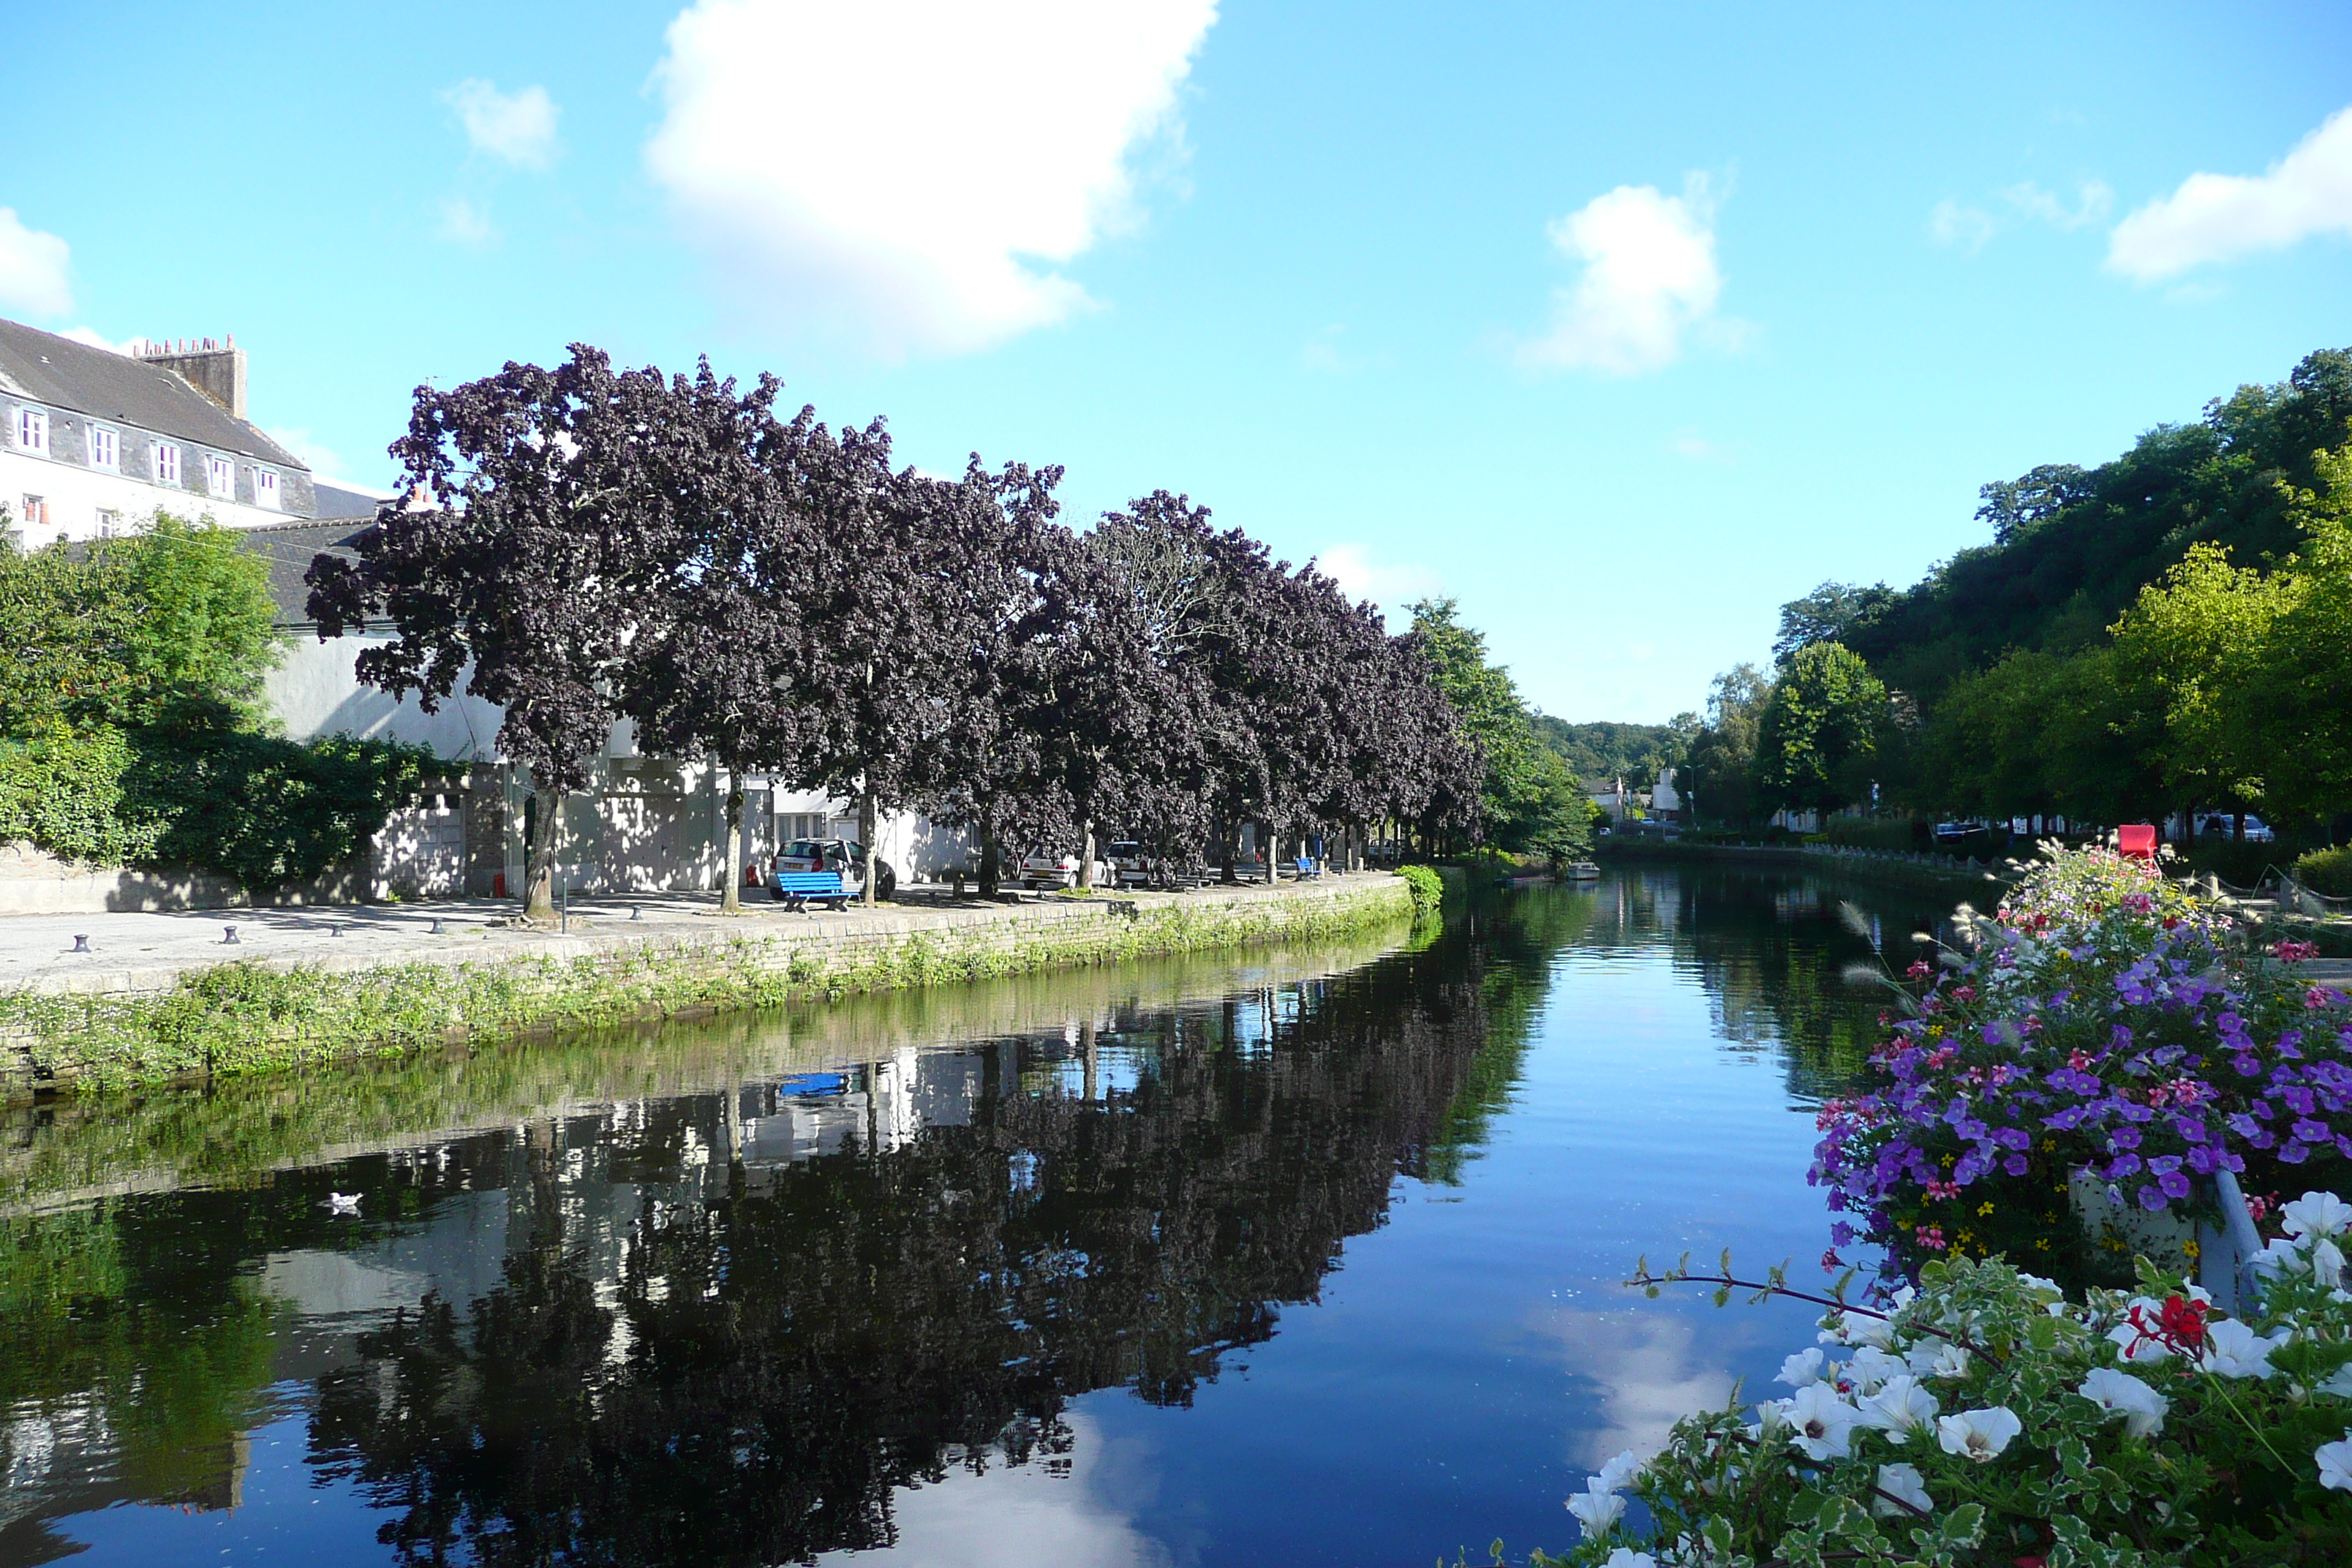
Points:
(1301, 1256)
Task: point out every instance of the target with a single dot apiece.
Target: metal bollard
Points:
(82, 944)
(635, 913)
(334, 930)
(230, 940)
(437, 927)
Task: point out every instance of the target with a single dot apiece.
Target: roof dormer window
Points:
(220, 479)
(105, 448)
(265, 489)
(163, 462)
(33, 431)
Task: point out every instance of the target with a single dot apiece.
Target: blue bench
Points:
(798, 889)
(1306, 866)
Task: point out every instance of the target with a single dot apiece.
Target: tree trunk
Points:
(539, 876)
(730, 902)
(868, 811)
(992, 864)
(1227, 833)
(1087, 854)
(1272, 855)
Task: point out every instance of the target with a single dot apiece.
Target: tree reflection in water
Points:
(778, 1346)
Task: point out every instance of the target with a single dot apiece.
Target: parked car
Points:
(1953, 832)
(1130, 866)
(1047, 869)
(837, 855)
(2216, 825)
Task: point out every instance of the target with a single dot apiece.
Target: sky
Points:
(1622, 325)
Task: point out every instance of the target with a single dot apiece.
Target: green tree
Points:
(1529, 800)
(1819, 732)
(1722, 754)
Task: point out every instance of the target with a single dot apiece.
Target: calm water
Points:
(1309, 1257)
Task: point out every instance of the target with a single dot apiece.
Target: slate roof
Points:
(335, 500)
(44, 368)
(288, 548)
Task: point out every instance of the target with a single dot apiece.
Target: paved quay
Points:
(130, 953)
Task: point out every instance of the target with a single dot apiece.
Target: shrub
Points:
(255, 807)
(2106, 1018)
(1987, 1418)
(2327, 871)
(1428, 888)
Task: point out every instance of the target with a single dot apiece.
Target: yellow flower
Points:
(1984, 1208)
(2193, 1250)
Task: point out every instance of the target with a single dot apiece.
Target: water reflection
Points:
(851, 1278)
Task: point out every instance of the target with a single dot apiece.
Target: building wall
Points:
(75, 493)
(315, 692)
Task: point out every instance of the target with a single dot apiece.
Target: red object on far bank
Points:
(2136, 841)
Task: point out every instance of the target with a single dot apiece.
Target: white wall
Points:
(76, 494)
(314, 692)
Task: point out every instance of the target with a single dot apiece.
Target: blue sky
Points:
(1622, 325)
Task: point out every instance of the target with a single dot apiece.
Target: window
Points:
(220, 478)
(33, 513)
(105, 448)
(110, 523)
(265, 489)
(163, 461)
(33, 431)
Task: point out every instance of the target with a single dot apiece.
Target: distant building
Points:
(94, 442)
(1665, 800)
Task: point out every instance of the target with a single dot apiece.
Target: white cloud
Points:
(97, 339)
(1697, 448)
(2093, 201)
(1649, 277)
(2221, 217)
(517, 128)
(464, 222)
(909, 171)
(1387, 584)
(33, 268)
(1650, 1374)
(323, 461)
(1972, 228)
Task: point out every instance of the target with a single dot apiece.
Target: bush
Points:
(1985, 1419)
(255, 808)
(2327, 871)
(2240, 865)
(1428, 888)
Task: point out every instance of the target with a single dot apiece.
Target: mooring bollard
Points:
(82, 944)
(334, 930)
(437, 927)
(230, 940)
(635, 913)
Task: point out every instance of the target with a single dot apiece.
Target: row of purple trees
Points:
(581, 545)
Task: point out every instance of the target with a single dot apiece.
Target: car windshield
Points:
(804, 850)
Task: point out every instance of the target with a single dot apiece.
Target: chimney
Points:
(215, 369)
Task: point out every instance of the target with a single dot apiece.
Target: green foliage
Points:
(1898, 833)
(1819, 730)
(1606, 749)
(2327, 871)
(1985, 1417)
(1719, 772)
(1529, 800)
(133, 631)
(1428, 888)
(255, 808)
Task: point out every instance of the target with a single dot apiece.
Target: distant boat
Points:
(1581, 872)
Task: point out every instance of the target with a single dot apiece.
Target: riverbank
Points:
(1970, 879)
(163, 997)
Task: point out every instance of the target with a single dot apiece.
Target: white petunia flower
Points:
(2279, 1256)
(1900, 1408)
(1617, 1474)
(2327, 1263)
(1598, 1511)
(1626, 1557)
(2233, 1350)
(1900, 1481)
(2039, 1283)
(1870, 1369)
(1937, 1358)
(1803, 1368)
(2340, 1382)
(2316, 1214)
(2336, 1463)
(1854, 1328)
(1978, 1435)
(2120, 1394)
(2138, 1347)
(1822, 1421)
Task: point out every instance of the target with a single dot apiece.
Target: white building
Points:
(94, 442)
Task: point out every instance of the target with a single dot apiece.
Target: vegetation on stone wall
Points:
(132, 729)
